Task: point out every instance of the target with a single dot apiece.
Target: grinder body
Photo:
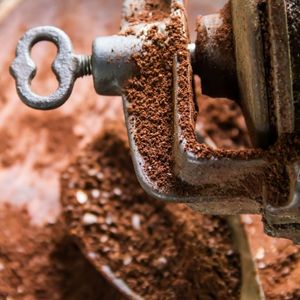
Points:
(249, 52)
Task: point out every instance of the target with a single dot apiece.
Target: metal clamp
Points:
(67, 67)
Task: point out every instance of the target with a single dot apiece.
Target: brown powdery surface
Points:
(149, 96)
(221, 121)
(150, 104)
(215, 57)
(40, 262)
(43, 263)
(224, 36)
(161, 251)
(152, 10)
(277, 260)
(36, 145)
(151, 111)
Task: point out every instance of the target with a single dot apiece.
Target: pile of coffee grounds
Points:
(40, 262)
(149, 97)
(160, 250)
(151, 10)
(59, 135)
(280, 273)
(6, 147)
(277, 261)
(43, 263)
(222, 121)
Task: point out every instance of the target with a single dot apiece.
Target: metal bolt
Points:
(84, 65)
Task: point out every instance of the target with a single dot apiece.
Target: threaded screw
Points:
(84, 65)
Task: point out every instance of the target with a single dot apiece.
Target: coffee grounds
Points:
(215, 57)
(224, 35)
(277, 261)
(280, 275)
(151, 111)
(43, 263)
(222, 121)
(149, 95)
(187, 109)
(281, 156)
(152, 10)
(160, 250)
(67, 268)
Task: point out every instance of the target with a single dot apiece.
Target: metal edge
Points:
(250, 69)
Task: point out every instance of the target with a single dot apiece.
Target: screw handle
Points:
(66, 67)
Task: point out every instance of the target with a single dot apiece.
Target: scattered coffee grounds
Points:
(152, 10)
(150, 97)
(59, 131)
(293, 15)
(150, 104)
(224, 35)
(6, 149)
(277, 260)
(215, 55)
(43, 263)
(222, 121)
(281, 274)
(187, 110)
(160, 250)
(281, 156)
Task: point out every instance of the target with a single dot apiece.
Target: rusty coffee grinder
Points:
(255, 61)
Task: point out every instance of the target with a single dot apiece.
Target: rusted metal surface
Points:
(215, 59)
(281, 82)
(250, 69)
(197, 171)
(284, 221)
(112, 63)
(293, 22)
